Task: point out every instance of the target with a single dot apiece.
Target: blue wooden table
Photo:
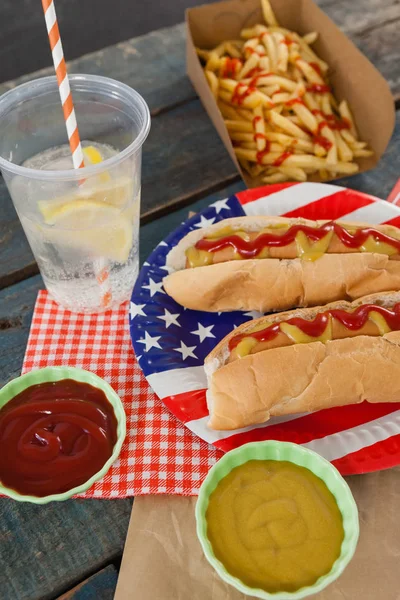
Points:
(73, 549)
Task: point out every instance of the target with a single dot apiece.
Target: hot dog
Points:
(305, 360)
(276, 263)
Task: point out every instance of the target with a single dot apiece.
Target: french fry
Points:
(271, 49)
(256, 170)
(250, 64)
(345, 113)
(228, 112)
(268, 14)
(270, 90)
(213, 62)
(288, 141)
(310, 38)
(213, 83)
(232, 49)
(241, 136)
(283, 52)
(267, 80)
(275, 178)
(280, 98)
(259, 128)
(238, 125)
(362, 153)
(245, 114)
(248, 145)
(253, 32)
(203, 54)
(299, 160)
(287, 126)
(264, 63)
(344, 152)
(294, 173)
(250, 46)
(306, 117)
(309, 72)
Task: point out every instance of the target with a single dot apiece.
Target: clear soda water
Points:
(84, 235)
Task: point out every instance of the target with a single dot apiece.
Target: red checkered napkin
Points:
(159, 455)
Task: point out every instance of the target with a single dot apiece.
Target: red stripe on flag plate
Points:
(332, 207)
(382, 455)
(261, 192)
(314, 426)
(188, 406)
(395, 221)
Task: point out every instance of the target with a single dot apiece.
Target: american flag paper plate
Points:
(171, 342)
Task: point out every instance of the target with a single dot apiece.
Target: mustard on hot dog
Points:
(333, 324)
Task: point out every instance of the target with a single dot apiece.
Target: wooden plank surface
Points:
(44, 550)
(100, 586)
(154, 64)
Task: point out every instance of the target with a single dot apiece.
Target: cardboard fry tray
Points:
(352, 76)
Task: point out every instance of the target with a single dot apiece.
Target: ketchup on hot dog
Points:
(250, 248)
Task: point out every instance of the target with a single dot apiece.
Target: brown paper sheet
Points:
(353, 77)
(163, 559)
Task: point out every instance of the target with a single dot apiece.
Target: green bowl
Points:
(14, 387)
(303, 457)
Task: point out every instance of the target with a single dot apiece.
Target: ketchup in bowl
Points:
(55, 436)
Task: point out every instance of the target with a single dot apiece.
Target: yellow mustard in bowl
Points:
(274, 525)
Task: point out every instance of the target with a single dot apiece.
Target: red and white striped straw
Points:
(63, 83)
(60, 67)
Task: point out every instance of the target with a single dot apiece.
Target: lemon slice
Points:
(94, 157)
(117, 193)
(93, 227)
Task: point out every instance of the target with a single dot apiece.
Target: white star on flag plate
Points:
(154, 287)
(220, 205)
(254, 314)
(136, 309)
(186, 351)
(204, 222)
(166, 268)
(150, 342)
(169, 318)
(203, 332)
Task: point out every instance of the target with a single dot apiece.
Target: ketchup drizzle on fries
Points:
(281, 159)
(321, 140)
(260, 156)
(231, 66)
(295, 101)
(239, 98)
(316, 68)
(353, 321)
(250, 248)
(317, 88)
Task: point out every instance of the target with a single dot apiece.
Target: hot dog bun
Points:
(303, 377)
(277, 284)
